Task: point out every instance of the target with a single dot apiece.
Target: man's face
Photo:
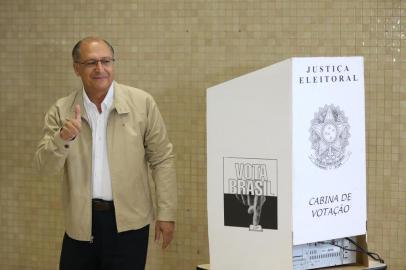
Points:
(94, 68)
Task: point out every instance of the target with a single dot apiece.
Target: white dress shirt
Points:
(101, 179)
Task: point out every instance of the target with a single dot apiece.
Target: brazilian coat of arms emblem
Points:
(329, 134)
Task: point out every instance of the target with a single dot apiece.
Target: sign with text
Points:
(328, 137)
(250, 185)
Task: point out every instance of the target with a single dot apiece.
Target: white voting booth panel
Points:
(285, 161)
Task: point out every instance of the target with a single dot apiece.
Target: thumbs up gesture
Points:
(71, 127)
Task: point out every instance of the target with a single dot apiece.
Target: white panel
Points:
(329, 181)
(248, 140)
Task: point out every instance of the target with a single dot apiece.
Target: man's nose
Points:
(99, 65)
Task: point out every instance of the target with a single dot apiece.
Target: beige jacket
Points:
(136, 138)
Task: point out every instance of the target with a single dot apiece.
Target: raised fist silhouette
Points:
(254, 203)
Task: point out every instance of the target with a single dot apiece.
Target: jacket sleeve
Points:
(52, 150)
(159, 154)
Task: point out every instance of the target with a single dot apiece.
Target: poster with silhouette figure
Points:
(250, 193)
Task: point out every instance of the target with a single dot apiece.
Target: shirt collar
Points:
(107, 101)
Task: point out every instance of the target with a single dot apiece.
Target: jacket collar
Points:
(119, 102)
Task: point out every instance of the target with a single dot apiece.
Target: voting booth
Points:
(286, 162)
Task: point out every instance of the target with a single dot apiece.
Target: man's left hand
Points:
(167, 229)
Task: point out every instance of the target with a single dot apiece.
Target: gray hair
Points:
(76, 48)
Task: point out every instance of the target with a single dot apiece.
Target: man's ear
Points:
(76, 68)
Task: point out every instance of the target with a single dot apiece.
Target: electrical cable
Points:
(373, 255)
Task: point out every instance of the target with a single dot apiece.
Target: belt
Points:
(102, 205)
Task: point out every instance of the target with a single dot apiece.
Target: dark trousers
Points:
(109, 250)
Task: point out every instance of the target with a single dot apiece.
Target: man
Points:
(104, 137)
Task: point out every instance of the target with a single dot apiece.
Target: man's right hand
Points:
(71, 127)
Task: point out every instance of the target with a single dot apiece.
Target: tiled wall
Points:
(175, 49)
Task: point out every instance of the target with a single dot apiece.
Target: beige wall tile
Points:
(175, 50)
